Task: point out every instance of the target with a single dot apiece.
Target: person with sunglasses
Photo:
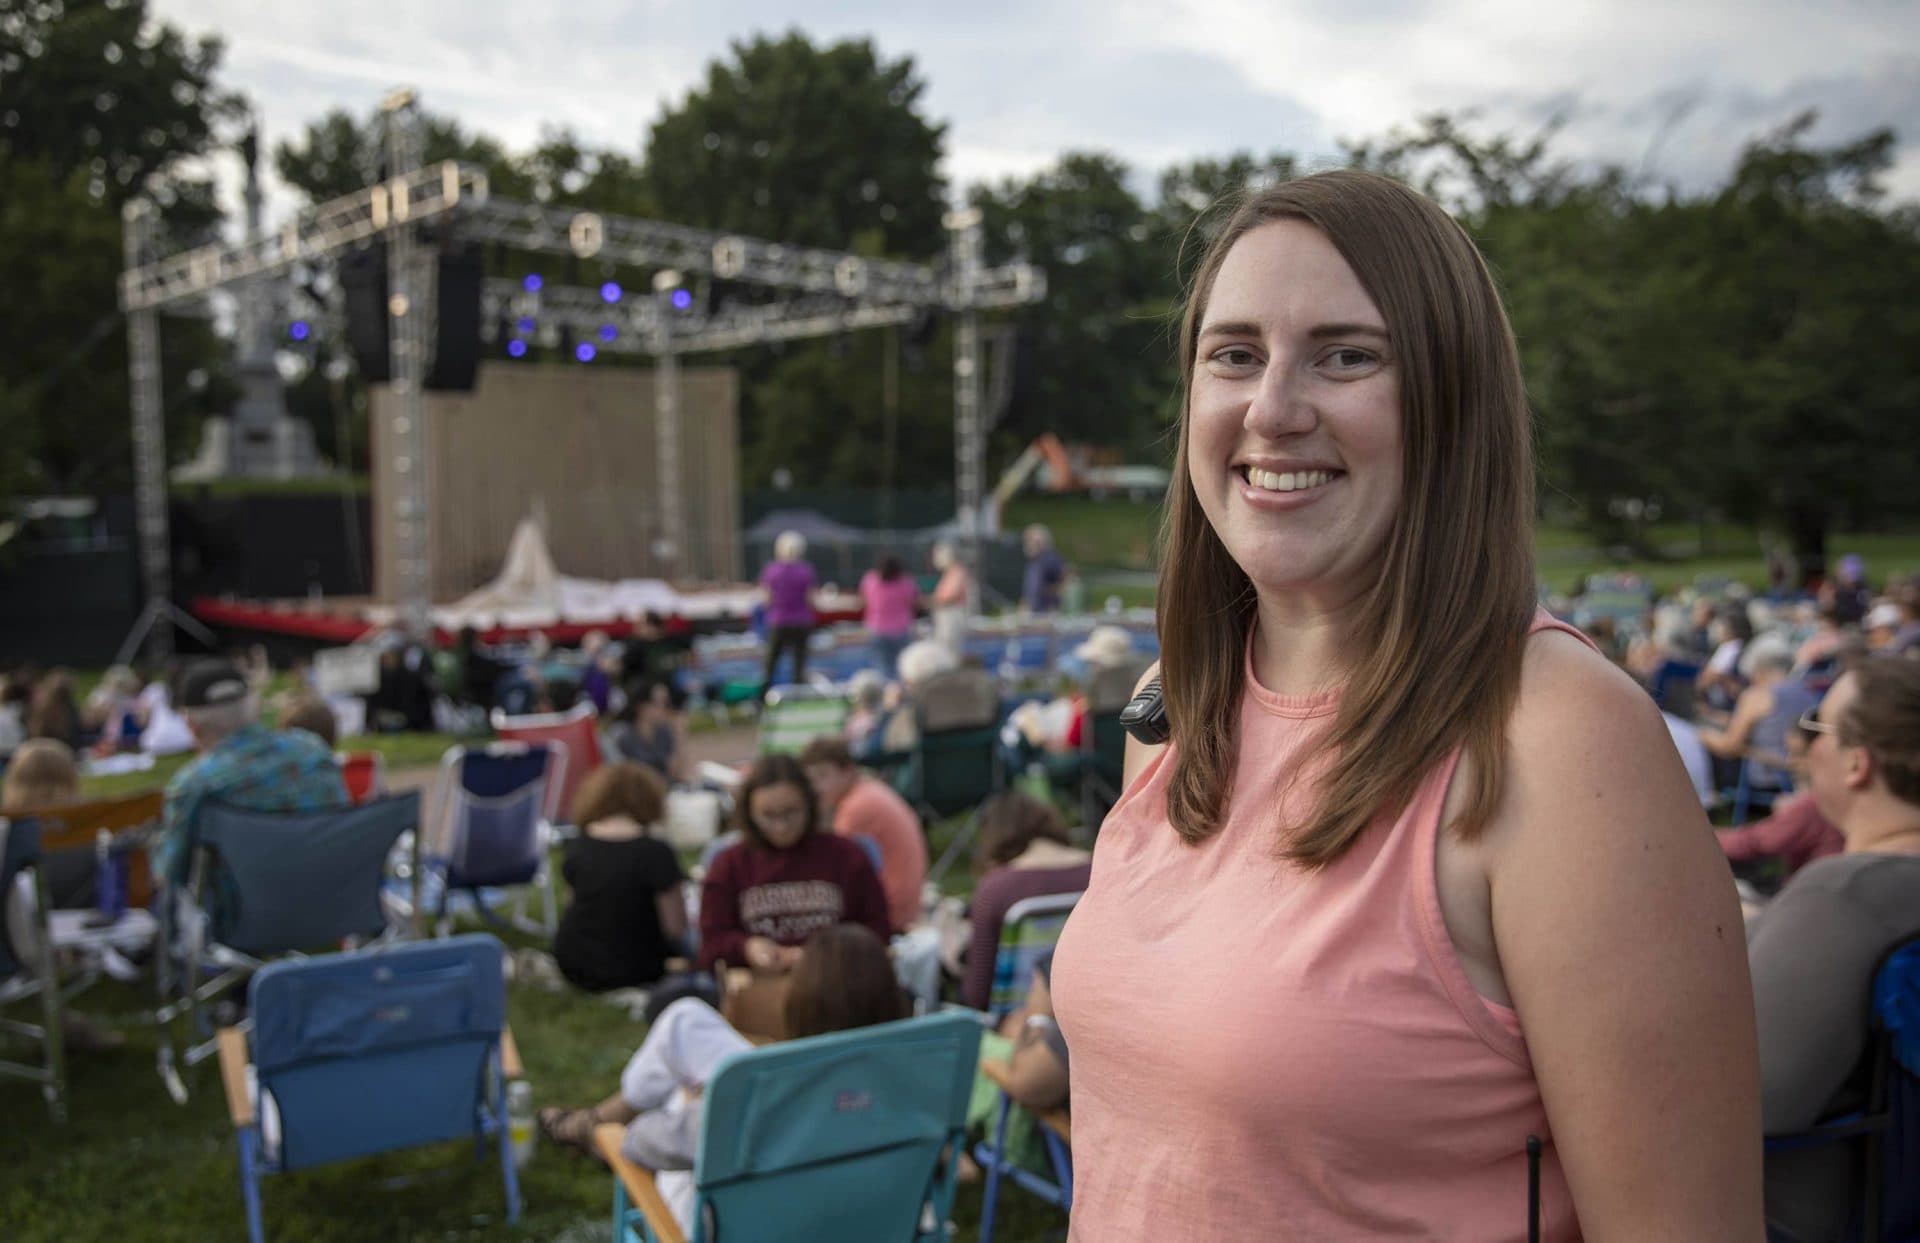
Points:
(1813, 950)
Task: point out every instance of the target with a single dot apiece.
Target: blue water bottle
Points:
(110, 884)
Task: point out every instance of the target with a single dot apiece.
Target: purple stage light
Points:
(299, 330)
(584, 352)
(516, 349)
(524, 327)
(682, 299)
(608, 332)
(532, 283)
(610, 292)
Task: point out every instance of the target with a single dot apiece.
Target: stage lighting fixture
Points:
(524, 327)
(610, 292)
(584, 352)
(299, 330)
(608, 332)
(682, 299)
(516, 349)
(532, 282)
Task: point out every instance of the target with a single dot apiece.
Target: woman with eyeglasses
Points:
(785, 879)
(1814, 948)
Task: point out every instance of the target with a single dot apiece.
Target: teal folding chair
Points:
(369, 1052)
(28, 972)
(851, 1136)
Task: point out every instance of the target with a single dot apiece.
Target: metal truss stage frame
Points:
(830, 292)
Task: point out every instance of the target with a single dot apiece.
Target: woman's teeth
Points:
(1290, 481)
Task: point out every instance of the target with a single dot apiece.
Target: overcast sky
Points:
(1153, 81)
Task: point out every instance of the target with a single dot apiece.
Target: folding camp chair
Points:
(68, 838)
(955, 763)
(1056, 1134)
(267, 885)
(795, 715)
(369, 1052)
(365, 773)
(574, 735)
(28, 971)
(1028, 933)
(853, 1135)
(493, 809)
(1748, 797)
(1885, 1132)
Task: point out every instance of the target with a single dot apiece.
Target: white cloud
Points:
(1153, 81)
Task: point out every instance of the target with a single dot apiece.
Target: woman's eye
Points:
(1235, 356)
(1349, 359)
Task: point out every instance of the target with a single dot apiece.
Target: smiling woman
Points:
(1418, 889)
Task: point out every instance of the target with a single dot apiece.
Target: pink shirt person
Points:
(889, 603)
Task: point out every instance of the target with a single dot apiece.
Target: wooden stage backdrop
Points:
(577, 443)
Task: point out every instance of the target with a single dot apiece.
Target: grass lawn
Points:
(132, 1165)
(401, 750)
(1104, 537)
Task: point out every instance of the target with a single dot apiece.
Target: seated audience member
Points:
(868, 692)
(1906, 638)
(1851, 594)
(1765, 714)
(315, 717)
(54, 713)
(112, 711)
(16, 696)
(654, 732)
(1730, 632)
(1829, 636)
(1037, 1067)
(1814, 948)
(841, 981)
(1023, 852)
(1037, 730)
(858, 804)
(43, 774)
(1881, 626)
(785, 880)
(920, 662)
(479, 672)
(1796, 833)
(241, 763)
(1694, 754)
(163, 730)
(627, 915)
(403, 701)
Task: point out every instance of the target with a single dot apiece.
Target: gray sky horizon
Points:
(1675, 90)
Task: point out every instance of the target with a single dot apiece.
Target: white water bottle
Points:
(520, 1121)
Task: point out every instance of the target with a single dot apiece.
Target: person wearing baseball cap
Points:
(241, 763)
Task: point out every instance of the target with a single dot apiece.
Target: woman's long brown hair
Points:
(1442, 630)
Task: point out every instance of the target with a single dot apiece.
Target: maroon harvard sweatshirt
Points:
(785, 895)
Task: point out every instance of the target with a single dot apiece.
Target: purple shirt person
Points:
(789, 582)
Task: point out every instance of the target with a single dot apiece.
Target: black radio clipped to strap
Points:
(1145, 716)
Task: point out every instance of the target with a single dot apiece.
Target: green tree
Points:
(339, 154)
(827, 147)
(99, 102)
(817, 146)
(1099, 344)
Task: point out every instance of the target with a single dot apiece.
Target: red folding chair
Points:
(576, 733)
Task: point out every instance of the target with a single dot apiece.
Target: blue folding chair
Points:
(495, 831)
(1885, 1132)
(854, 1135)
(368, 1052)
(270, 884)
(1028, 933)
(28, 971)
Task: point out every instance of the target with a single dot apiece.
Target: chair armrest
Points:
(233, 1076)
(1056, 1120)
(638, 1180)
(510, 1066)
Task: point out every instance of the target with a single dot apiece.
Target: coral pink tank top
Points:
(1260, 1053)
